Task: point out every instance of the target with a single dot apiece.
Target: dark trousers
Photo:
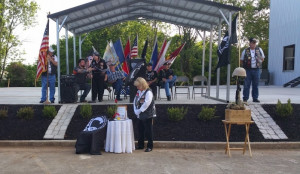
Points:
(145, 129)
(117, 85)
(86, 87)
(98, 85)
(153, 87)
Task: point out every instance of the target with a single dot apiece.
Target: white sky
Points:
(31, 38)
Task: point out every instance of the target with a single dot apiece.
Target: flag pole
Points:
(239, 39)
(47, 100)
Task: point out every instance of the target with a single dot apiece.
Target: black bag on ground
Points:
(91, 139)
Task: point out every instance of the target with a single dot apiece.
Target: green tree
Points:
(14, 13)
(16, 73)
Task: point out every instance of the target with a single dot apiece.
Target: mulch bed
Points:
(13, 128)
(290, 125)
(188, 129)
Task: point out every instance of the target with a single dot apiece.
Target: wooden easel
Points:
(227, 133)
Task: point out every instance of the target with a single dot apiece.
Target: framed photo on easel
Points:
(122, 111)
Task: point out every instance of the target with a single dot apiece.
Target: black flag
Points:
(224, 47)
(223, 51)
(233, 30)
(145, 50)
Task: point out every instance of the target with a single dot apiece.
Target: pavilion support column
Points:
(58, 58)
(58, 28)
(228, 66)
(67, 49)
(203, 59)
(74, 48)
(79, 47)
(218, 70)
(210, 59)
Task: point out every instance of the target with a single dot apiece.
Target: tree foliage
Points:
(20, 74)
(14, 13)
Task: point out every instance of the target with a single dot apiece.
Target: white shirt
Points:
(49, 65)
(145, 105)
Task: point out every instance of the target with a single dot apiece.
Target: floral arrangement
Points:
(116, 116)
(236, 106)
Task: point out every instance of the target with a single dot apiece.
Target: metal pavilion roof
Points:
(199, 14)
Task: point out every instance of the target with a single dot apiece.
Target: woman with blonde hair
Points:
(144, 109)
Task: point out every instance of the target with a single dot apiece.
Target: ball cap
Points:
(96, 53)
(149, 64)
(51, 49)
(252, 40)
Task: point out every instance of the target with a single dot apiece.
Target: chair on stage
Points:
(162, 86)
(182, 86)
(199, 82)
(125, 91)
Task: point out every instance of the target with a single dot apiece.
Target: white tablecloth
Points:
(120, 137)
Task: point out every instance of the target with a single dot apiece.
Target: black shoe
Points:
(119, 99)
(256, 101)
(139, 148)
(245, 101)
(83, 101)
(93, 101)
(52, 101)
(148, 149)
(100, 100)
(42, 101)
(169, 98)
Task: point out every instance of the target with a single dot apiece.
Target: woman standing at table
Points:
(144, 109)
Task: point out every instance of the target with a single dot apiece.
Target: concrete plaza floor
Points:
(267, 95)
(160, 161)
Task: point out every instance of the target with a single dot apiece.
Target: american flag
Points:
(134, 50)
(42, 62)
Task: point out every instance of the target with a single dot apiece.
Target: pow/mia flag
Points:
(223, 52)
(91, 139)
(96, 123)
(224, 47)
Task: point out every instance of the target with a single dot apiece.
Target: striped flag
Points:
(162, 55)
(42, 61)
(134, 49)
(127, 57)
(171, 58)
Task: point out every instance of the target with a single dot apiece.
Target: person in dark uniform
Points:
(167, 79)
(81, 73)
(151, 78)
(99, 77)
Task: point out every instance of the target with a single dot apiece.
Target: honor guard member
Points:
(98, 77)
(151, 78)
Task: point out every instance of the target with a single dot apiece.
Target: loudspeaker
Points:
(68, 91)
(67, 80)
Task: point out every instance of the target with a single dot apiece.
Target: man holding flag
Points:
(49, 77)
(47, 65)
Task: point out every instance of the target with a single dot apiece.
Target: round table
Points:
(120, 136)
